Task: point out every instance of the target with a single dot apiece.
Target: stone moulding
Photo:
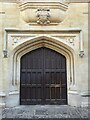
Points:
(63, 1)
(85, 93)
(19, 42)
(43, 12)
(70, 40)
(2, 94)
(13, 93)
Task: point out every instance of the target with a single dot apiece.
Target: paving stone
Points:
(47, 111)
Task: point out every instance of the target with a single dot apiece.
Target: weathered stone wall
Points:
(76, 18)
(9, 17)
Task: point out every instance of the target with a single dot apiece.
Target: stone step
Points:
(47, 112)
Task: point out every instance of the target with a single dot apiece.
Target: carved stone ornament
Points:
(51, 13)
(70, 40)
(81, 54)
(5, 53)
(43, 16)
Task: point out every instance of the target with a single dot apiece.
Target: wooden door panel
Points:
(43, 78)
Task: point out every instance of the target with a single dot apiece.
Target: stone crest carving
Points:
(43, 15)
(71, 40)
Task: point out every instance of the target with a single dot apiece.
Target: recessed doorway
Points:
(43, 78)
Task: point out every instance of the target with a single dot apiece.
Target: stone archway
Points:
(35, 43)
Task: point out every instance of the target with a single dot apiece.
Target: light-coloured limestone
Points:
(69, 37)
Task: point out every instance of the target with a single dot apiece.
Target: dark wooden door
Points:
(43, 78)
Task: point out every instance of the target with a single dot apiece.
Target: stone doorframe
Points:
(19, 42)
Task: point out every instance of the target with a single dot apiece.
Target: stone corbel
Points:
(81, 52)
(5, 52)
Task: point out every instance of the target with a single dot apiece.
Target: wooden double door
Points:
(43, 78)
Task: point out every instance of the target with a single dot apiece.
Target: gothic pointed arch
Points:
(53, 43)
